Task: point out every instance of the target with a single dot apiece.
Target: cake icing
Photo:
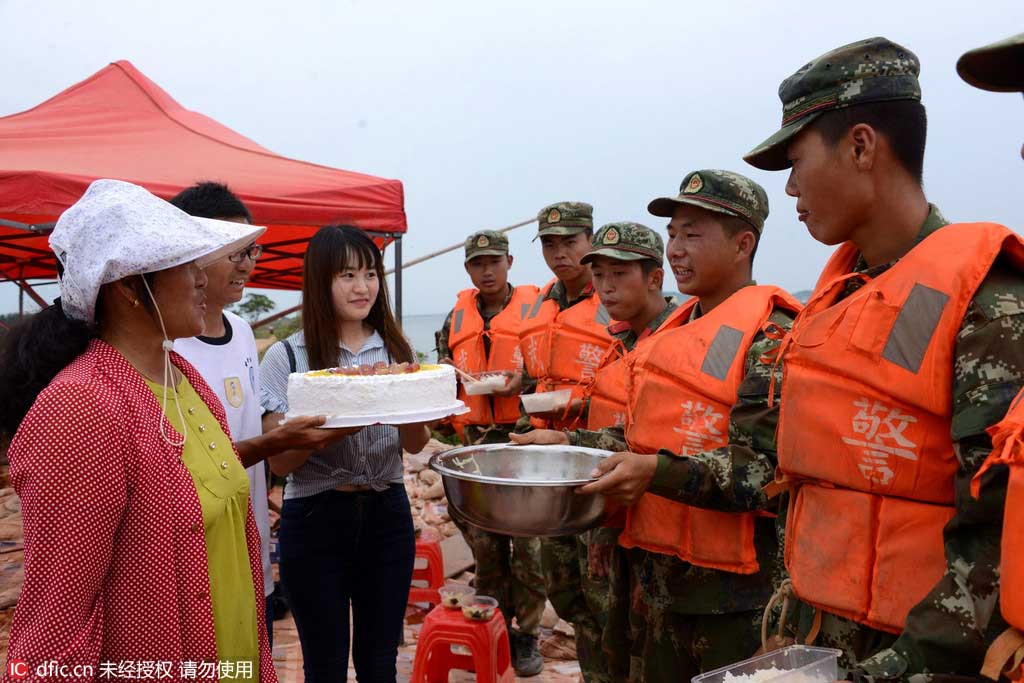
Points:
(359, 392)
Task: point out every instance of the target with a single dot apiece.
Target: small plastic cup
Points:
(453, 595)
(479, 608)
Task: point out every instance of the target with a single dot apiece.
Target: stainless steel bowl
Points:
(522, 490)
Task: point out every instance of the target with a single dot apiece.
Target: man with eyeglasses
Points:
(225, 355)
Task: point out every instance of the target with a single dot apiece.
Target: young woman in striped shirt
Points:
(346, 534)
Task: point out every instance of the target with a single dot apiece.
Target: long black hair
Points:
(332, 249)
(31, 355)
(37, 348)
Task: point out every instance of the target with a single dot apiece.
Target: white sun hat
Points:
(119, 229)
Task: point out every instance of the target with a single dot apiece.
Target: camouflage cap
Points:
(565, 218)
(998, 67)
(626, 241)
(722, 191)
(871, 70)
(486, 243)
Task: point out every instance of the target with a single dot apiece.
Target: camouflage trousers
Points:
(866, 652)
(670, 646)
(646, 642)
(578, 590)
(509, 570)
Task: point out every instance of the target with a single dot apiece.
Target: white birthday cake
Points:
(372, 391)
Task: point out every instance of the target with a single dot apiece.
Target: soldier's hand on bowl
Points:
(513, 385)
(624, 477)
(570, 412)
(545, 437)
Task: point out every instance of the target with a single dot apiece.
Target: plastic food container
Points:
(479, 608)
(453, 595)
(547, 401)
(486, 385)
(793, 664)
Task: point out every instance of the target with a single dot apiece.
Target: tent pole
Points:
(398, 278)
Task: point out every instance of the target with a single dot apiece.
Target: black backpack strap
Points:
(291, 355)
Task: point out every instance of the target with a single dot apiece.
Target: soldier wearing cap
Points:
(908, 350)
(626, 260)
(563, 340)
(999, 67)
(569, 304)
(480, 336)
(700, 564)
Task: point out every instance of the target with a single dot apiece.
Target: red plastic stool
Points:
(486, 640)
(428, 547)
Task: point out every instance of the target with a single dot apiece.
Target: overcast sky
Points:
(487, 111)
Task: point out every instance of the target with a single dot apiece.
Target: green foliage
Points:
(254, 306)
(450, 439)
(286, 327)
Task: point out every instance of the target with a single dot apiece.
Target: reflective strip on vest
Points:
(722, 352)
(916, 324)
(457, 323)
(523, 310)
(602, 317)
(536, 306)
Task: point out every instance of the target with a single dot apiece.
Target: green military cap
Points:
(721, 191)
(626, 241)
(486, 243)
(565, 218)
(998, 67)
(871, 70)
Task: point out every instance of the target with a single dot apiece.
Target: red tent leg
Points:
(27, 289)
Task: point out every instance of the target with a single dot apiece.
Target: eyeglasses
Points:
(253, 251)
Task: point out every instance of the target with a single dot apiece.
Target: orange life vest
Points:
(610, 390)
(684, 384)
(466, 336)
(1008, 449)
(563, 349)
(864, 424)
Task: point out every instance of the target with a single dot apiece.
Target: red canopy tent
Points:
(119, 124)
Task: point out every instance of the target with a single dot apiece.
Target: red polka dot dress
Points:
(115, 556)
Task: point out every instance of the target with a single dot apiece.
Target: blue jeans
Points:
(270, 622)
(339, 550)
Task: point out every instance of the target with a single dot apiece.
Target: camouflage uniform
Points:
(507, 568)
(951, 628)
(577, 596)
(606, 592)
(685, 619)
(611, 592)
(998, 67)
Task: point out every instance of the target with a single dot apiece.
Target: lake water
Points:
(420, 330)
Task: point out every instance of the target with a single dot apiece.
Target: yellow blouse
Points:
(223, 489)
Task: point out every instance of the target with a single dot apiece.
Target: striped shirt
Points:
(372, 456)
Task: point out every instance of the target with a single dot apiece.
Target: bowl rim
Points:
(437, 465)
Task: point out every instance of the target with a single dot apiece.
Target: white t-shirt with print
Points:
(230, 365)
